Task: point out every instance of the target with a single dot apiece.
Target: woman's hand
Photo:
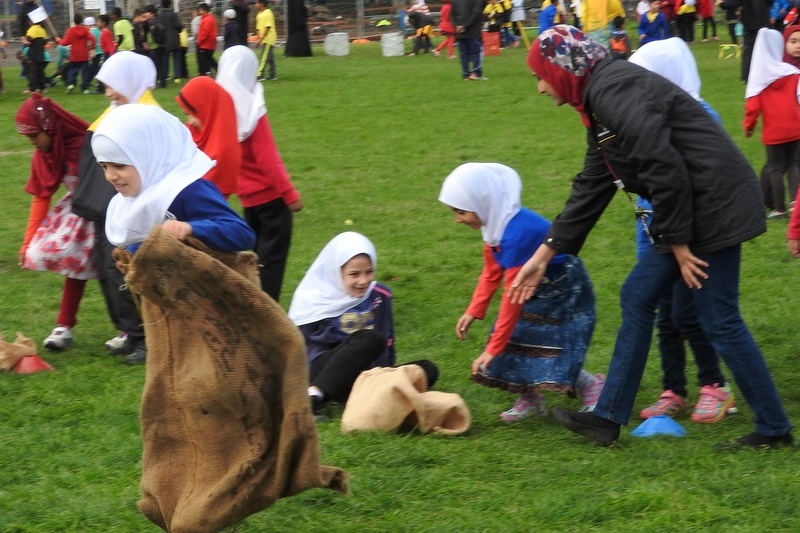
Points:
(480, 364)
(176, 228)
(462, 326)
(529, 276)
(690, 266)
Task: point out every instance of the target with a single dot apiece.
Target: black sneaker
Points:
(756, 441)
(596, 429)
(137, 357)
(319, 409)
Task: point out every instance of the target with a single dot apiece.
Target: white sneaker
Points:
(59, 339)
(117, 343)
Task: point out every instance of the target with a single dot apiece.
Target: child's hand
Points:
(462, 326)
(794, 248)
(480, 364)
(296, 206)
(748, 133)
(179, 230)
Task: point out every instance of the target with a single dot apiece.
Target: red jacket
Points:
(81, 40)
(107, 43)
(778, 104)
(263, 177)
(206, 38)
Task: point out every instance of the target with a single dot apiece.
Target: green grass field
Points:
(370, 139)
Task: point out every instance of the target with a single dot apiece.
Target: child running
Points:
(542, 344)
(346, 319)
(772, 91)
(58, 240)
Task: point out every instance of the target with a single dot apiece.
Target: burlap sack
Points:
(391, 398)
(12, 352)
(226, 422)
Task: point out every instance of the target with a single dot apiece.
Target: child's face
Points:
(115, 97)
(468, 218)
(655, 6)
(42, 141)
(124, 178)
(192, 120)
(357, 274)
(793, 45)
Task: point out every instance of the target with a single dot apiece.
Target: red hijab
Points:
(787, 32)
(38, 114)
(203, 98)
(563, 56)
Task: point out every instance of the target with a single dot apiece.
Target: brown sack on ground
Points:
(226, 422)
(12, 352)
(388, 399)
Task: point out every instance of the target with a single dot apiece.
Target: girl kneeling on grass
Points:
(346, 319)
(542, 344)
(150, 159)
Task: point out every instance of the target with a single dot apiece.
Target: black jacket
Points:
(172, 27)
(467, 13)
(665, 147)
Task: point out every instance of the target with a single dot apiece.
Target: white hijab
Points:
(237, 75)
(672, 59)
(490, 190)
(161, 150)
(767, 64)
(321, 293)
(128, 73)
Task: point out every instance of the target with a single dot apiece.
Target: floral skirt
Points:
(63, 243)
(549, 343)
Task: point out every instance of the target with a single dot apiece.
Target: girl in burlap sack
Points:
(346, 319)
(542, 344)
(56, 239)
(149, 157)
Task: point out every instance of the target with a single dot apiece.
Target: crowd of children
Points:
(159, 172)
(153, 31)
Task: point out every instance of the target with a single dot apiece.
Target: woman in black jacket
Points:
(646, 136)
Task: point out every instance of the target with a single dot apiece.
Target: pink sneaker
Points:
(591, 393)
(667, 404)
(525, 406)
(713, 404)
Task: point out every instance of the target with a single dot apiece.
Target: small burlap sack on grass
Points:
(226, 422)
(12, 352)
(395, 398)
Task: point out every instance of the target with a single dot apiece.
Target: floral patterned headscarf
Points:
(563, 56)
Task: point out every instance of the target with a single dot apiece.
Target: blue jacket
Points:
(653, 31)
(373, 313)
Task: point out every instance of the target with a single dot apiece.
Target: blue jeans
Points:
(471, 53)
(717, 307)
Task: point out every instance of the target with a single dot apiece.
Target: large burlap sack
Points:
(12, 352)
(226, 421)
(393, 398)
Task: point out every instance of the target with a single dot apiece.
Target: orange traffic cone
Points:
(30, 364)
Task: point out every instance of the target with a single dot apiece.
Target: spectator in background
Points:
(80, 40)
(231, 34)
(166, 29)
(206, 41)
(467, 18)
(731, 8)
(123, 30)
(268, 36)
(653, 25)
(241, 8)
(755, 15)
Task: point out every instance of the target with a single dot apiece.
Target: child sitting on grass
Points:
(346, 319)
(536, 346)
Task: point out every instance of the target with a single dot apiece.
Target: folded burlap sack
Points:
(12, 352)
(226, 422)
(391, 398)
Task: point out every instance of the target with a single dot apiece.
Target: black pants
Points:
(272, 224)
(335, 371)
(748, 40)
(782, 159)
(206, 62)
(119, 302)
